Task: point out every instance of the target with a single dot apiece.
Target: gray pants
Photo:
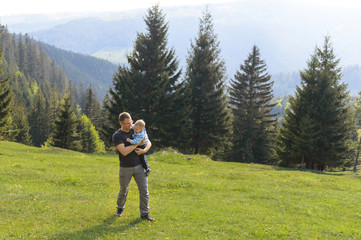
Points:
(125, 175)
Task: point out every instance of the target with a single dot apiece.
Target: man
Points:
(130, 166)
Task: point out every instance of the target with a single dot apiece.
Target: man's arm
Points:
(140, 151)
(125, 150)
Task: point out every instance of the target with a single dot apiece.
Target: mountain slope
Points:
(83, 69)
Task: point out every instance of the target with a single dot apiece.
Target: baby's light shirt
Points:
(138, 137)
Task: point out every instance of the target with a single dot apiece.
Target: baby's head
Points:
(139, 126)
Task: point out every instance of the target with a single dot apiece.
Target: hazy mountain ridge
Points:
(83, 69)
(285, 33)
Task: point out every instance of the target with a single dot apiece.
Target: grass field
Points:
(59, 194)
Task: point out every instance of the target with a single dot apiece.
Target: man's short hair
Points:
(123, 116)
(140, 123)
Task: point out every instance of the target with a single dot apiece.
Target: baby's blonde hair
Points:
(140, 123)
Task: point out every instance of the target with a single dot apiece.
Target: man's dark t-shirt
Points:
(132, 159)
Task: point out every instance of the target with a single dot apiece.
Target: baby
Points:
(139, 134)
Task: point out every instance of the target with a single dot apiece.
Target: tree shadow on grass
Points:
(333, 173)
(98, 231)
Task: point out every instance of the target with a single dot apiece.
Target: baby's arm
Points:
(137, 138)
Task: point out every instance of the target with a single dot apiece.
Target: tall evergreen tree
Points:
(150, 88)
(5, 95)
(40, 120)
(250, 99)
(21, 56)
(92, 107)
(64, 134)
(323, 98)
(206, 75)
(19, 130)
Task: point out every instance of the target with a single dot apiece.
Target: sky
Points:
(294, 27)
(16, 7)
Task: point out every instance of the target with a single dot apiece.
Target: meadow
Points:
(52, 193)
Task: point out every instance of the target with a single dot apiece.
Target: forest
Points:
(194, 110)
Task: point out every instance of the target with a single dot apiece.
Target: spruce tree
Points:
(206, 75)
(5, 96)
(250, 99)
(92, 107)
(323, 98)
(19, 130)
(64, 134)
(40, 120)
(149, 88)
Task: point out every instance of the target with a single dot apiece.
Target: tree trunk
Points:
(355, 164)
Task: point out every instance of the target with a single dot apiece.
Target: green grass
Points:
(113, 55)
(60, 194)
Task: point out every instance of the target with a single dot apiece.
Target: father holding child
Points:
(130, 165)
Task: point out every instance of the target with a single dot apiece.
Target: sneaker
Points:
(146, 217)
(147, 171)
(119, 212)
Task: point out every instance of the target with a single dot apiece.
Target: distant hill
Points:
(83, 69)
(285, 32)
(285, 83)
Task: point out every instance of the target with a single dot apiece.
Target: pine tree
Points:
(21, 56)
(19, 130)
(5, 96)
(64, 134)
(323, 98)
(89, 137)
(109, 121)
(92, 107)
(253, 124)
(206, 75)
(40, 120)
(150, 88)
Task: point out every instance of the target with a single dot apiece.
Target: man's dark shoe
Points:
(119, 212)
(146, 217)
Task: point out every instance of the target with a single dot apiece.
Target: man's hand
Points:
(128, 140)
(142, 151)
(139, 151)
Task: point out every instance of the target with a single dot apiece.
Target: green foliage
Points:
(5, 94)
(19, 129)
(64, 134)
(282, 103)
(253, 124)
(206, 75)
(83, 69)
(358, 111)
(358, 125)
(320, 106)
(41, 119)
(92, 108)
(5, 103)
(37, 82)
(149, 89)
(89, 137)
(52, 193)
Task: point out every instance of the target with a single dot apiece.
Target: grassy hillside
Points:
(60, 194)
